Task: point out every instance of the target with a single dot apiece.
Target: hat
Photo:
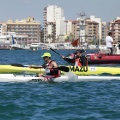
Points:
(46, 55)
(80, 51)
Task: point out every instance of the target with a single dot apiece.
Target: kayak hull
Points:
(27, 78)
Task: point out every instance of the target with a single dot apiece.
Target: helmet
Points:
(46, 55)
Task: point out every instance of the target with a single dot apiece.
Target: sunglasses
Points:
(45, 57)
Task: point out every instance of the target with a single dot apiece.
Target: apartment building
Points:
(54, 23)
(72, 29)
(28, 27)
(105, 29)
(3, 28)
(92, 30)
(99, 21)
(86, 29)
(115, 28)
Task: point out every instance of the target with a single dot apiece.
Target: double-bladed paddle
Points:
(62, 68)
(66, 59)
(55, 52)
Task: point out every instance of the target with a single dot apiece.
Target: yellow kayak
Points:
(94, 70)
(77, 70)
(14, 69)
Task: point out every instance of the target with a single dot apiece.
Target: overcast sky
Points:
(107, 10)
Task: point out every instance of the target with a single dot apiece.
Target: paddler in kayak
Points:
(49, 66)
(78, 58)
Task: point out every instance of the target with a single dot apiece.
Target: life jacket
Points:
(82, 61)
(77, 62)
(51, 71)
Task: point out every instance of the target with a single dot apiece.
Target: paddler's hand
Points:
(30, 66)
(63, 56)
(48, 67)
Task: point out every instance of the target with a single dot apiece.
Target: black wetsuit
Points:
(83, 60)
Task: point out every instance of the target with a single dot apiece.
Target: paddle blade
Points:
(17, 65)
(63, 68)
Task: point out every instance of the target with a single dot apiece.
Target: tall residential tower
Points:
(54, 23)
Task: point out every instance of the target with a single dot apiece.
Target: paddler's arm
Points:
(69, 60)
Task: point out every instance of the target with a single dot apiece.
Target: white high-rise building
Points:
(54, 13)
(60, 29)
(54, 24)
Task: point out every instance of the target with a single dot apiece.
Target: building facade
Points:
(98, 20)
(115, 28)
(3, 28)
(72, 29)
(28, 27)
(105, 29)
(54, 23)
(92, 31)
(86, 32)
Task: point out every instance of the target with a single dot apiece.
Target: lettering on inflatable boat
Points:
(79, 69)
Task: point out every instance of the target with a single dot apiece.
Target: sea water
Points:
(96, 100)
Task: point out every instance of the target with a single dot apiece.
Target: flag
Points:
(75, 43)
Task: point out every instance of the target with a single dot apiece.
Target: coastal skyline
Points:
(19, 9)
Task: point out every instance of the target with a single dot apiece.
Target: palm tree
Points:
(42, 34)
(49, 37)
(71, 36)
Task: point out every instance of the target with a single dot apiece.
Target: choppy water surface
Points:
(59, 101)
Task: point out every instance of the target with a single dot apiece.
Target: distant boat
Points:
(4, 43)
(104, 56)
(15, 46)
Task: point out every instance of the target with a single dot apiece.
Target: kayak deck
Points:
(76, 70)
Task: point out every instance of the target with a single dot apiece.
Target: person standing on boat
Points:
(49, 66)
(109, 42)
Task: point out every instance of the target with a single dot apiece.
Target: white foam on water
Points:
(71, 76)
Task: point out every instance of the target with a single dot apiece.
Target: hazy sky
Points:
(107, 10)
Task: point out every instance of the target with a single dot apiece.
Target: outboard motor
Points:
(118, 49)
(115, 49)
(88, 57)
